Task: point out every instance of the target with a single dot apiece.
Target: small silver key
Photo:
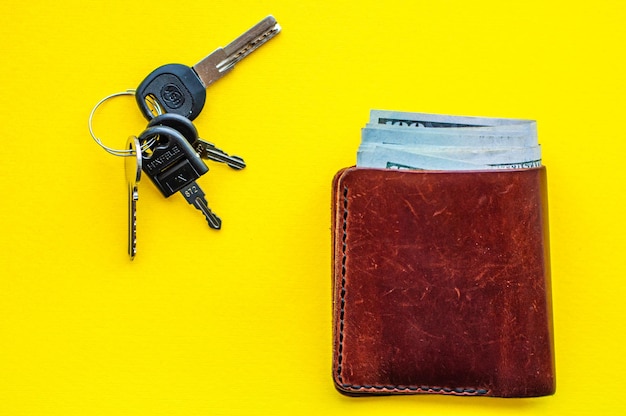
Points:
(208, 150)
(133, 166)
(176, 88)
(205, 149)
(196, 197)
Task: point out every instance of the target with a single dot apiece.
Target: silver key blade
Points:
(133, 165)
(213, 220)
(222, 60)
(209, 151)
(195, 196)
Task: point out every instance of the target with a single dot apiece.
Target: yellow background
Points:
(237, 322)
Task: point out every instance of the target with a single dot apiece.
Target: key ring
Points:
(117, 152)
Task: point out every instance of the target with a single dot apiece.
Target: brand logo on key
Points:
(172, 96)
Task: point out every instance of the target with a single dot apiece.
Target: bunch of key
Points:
(169, 151)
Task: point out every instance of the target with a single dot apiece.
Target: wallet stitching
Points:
(383, 388)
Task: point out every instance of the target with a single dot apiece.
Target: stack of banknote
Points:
(401, 140)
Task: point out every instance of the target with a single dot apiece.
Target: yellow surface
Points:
(237, 322)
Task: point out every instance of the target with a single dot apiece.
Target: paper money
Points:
(399, 118)
(401, 140)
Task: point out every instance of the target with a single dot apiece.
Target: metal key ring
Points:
(120, 152)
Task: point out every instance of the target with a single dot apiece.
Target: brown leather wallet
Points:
(441, 283)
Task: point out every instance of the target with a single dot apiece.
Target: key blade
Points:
(222, 60)
(213, 220)
(209, 151)
(195, 196)
(132, 167)
(132, 225)
(250, 41)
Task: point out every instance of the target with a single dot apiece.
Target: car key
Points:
(205, 149)
(173, 166)
(179, 89)
(133, 175)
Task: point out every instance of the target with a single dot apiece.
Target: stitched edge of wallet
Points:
(382, 388)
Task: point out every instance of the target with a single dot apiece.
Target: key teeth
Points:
(213, 220)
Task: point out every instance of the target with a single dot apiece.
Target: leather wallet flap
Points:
(441, 283)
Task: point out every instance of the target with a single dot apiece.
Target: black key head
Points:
(175, 88)
(177, 122)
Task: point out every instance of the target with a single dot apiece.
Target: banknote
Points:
(385, 157)
(376, 157)
(403, 140)
(406, 119)
(418, 136)
(482, 156)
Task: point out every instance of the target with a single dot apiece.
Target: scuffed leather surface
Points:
(441, 283)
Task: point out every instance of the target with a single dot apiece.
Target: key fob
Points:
(175, 88)
(173, 163)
